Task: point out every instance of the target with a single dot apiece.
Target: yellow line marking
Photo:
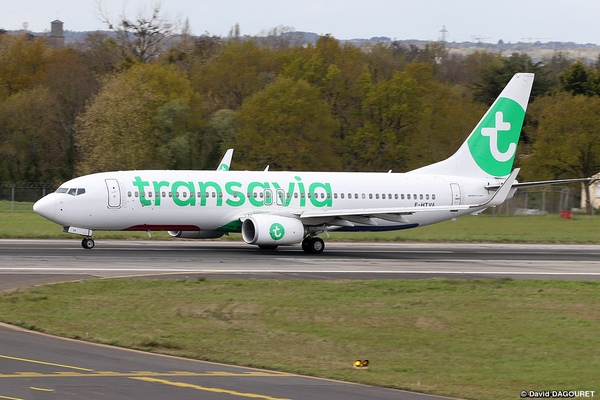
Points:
(44, 390)
(10, 398)
(45, 363)
(135, 374)
(215, 390)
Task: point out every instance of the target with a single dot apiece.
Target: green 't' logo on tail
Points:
(494, 142)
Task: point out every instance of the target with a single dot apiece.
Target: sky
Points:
(465, 20)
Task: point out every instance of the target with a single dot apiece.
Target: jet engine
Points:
(272, 230)
(196, 234)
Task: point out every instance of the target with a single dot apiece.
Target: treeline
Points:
(106, 103)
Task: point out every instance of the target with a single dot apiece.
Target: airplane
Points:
(272, 208)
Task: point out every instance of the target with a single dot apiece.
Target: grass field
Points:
(476, 339)
(24, 223)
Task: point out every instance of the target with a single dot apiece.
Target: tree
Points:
(494, 78)
(147, 117)
(287, 127)
(32, 147)
(143, 38)
(242, 69)
(23, 62)
(391, 110)
(567, 138)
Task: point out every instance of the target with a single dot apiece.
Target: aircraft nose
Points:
(46, 206)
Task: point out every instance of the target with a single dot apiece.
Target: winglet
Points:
(502, 193)
(226, 161)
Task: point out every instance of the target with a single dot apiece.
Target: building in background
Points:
(56, 37)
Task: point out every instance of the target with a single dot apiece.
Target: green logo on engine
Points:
(276, 231)
(494, 144)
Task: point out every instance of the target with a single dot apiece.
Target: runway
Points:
(35, 366)
(218, 259)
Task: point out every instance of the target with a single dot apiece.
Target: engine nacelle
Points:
(196, 234)
(272, 230)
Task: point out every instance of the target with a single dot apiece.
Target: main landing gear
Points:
(313, 245)
(87, 243)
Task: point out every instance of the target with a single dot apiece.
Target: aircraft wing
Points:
(396, 214)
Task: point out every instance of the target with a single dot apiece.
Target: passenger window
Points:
(309, 195)
(164, 194)
(421, 196)
(302, 195)
(383, 196)
(396, 196)
(261, 195)
(170, 194)
(415, 196)
(371, 195)
(136, 194)
(295, 195)
(184, 194)
(143, 194)
(426, 197)
(390, 196)
(80, 191)
(129, 194)
(408, 196)
(402, 196)
(323, 195)
(377, 196)
(249, 195)
(355, 195)
(341, 195)
(334, 195)
(191, 194)
(433, 197)
(255, 195)
(149, 194)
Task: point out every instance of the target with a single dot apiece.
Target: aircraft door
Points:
(456, 197)
(114, 193)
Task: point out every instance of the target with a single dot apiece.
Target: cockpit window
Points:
(72, 191)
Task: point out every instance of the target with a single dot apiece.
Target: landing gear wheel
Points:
(306, 244)
(267, 246)
(87, 243)
(313, 245)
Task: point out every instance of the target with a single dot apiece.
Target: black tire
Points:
(87, 243)
(306, 244)
(313, 246)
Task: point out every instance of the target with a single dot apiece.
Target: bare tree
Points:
(143, 37)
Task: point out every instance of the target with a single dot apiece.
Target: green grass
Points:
(24, 223)
(476, 339)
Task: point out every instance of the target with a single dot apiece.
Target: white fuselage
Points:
(216, 200)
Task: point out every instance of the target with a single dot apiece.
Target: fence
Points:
(536, 200)
(546, 199)
(25, 191)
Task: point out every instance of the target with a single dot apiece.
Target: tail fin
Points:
(226, 161)
(490, 149)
